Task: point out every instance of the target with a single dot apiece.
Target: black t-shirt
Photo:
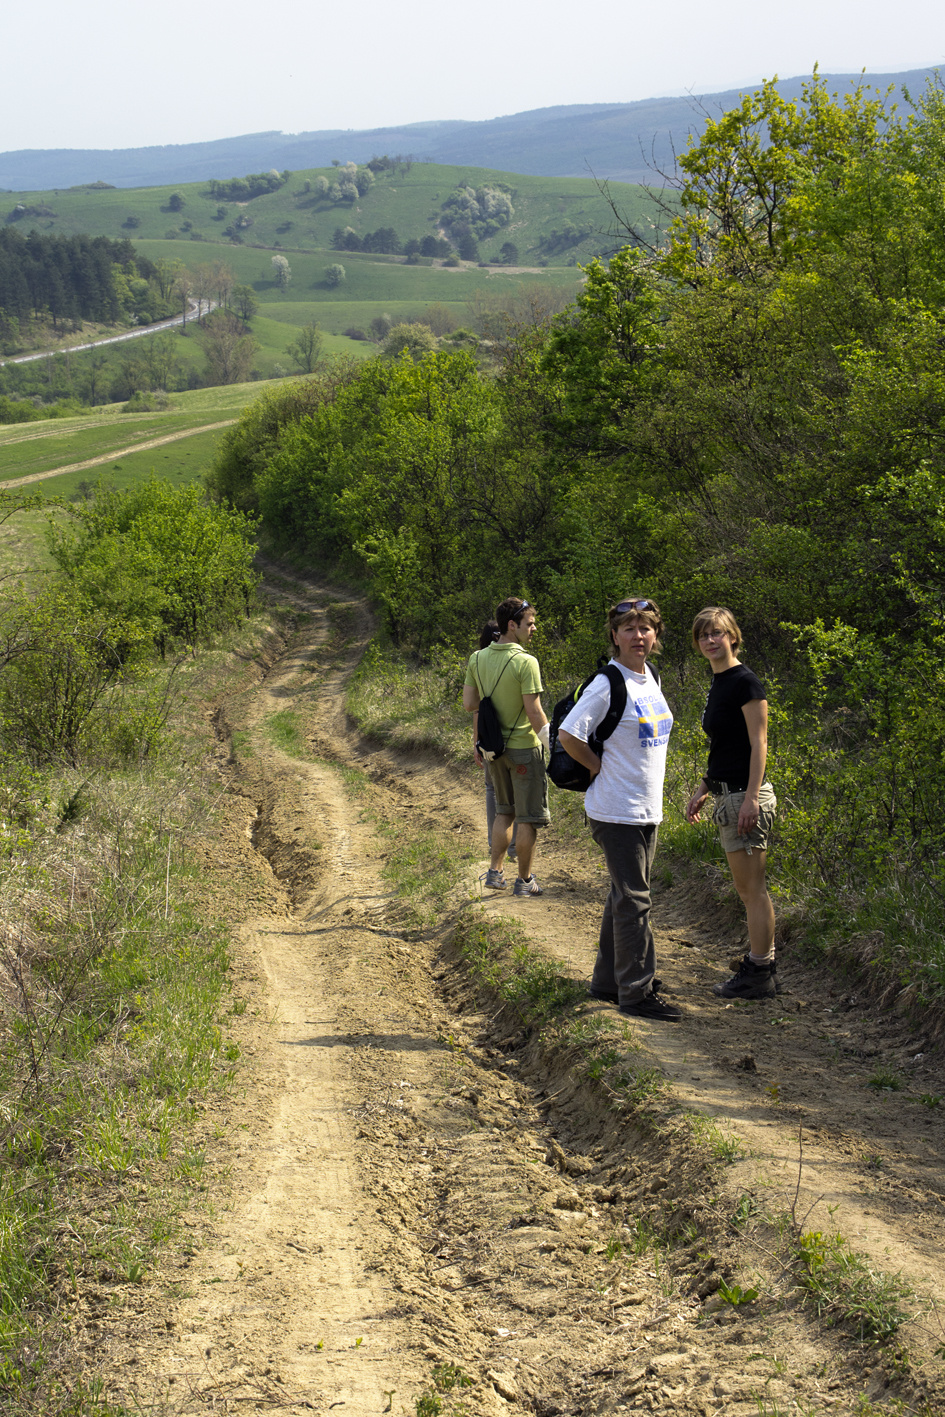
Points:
(724, 722)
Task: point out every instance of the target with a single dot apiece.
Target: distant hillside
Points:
(618, 141)
(554, 221)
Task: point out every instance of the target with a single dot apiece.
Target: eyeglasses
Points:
(714, 635)
(517, 617)
(626, 605)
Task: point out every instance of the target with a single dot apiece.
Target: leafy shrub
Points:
(142, 402)
(60, 697)
(243, 189)
(245, 450)
(160, 559)
(416, 340)
(17, 410)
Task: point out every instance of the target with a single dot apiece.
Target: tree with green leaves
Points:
(245, 302)
(159, 558)
(60, 692)
(245, 450)
(229, 350)
(306, 348)
(410, 340)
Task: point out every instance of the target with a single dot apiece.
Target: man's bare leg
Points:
(501, 836)
(525, 846)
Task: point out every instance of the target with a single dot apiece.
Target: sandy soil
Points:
(407, 1187)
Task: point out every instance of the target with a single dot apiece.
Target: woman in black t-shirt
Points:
(735, 719)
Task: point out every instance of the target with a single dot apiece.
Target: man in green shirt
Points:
(508, 675)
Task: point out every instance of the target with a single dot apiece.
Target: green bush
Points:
(61, 696)
(246, 450)
(161, 558)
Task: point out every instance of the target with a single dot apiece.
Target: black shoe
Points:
(652, 1006)
(750, 981)
(608, 998)
(736, 964)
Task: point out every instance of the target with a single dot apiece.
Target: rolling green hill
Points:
(558, 220)
(551, 226)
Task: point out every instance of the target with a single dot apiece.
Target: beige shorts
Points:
(521, 785)
(727, 807)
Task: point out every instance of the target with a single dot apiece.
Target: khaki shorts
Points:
(521, 785)
(727, 807)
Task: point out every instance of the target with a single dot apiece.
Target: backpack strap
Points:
(618, 701)
(618, 698)
(505, 666)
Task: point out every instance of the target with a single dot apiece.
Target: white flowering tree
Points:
(282, 272)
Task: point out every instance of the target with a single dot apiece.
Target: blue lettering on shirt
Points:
(654, 721)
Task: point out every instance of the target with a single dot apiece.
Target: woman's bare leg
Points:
(748, 873)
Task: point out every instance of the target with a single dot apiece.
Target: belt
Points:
(717, 787)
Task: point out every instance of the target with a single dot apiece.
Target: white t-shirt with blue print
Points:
(629, 786)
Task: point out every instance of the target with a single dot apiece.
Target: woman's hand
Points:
(580, 751)
(696, 803)
(748, 815)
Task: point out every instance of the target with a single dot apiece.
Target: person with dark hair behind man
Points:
(487, 636)
(511, 678)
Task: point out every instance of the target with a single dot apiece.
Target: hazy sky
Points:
(109, 74)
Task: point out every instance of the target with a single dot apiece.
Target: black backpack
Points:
(563, 770)
(489, 739)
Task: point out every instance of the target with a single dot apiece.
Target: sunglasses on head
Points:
(517, 617)
(626, 605)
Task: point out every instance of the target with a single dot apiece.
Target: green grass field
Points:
(37, 447)
(29, 448)
(293, 219)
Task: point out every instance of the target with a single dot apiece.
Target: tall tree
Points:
(306, 348)
(229, 349)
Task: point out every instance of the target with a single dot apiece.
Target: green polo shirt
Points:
(521, 676)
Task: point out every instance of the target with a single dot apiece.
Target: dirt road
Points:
(116, 453)
(419, 1207)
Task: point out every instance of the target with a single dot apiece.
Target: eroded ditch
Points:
(457, 1199)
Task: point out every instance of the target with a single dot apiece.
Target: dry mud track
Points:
(410, 1187)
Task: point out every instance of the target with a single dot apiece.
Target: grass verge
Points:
(113, 984)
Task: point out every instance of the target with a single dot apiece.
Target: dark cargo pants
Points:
(626, 953)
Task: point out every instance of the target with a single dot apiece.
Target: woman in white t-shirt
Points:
(624, 806)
